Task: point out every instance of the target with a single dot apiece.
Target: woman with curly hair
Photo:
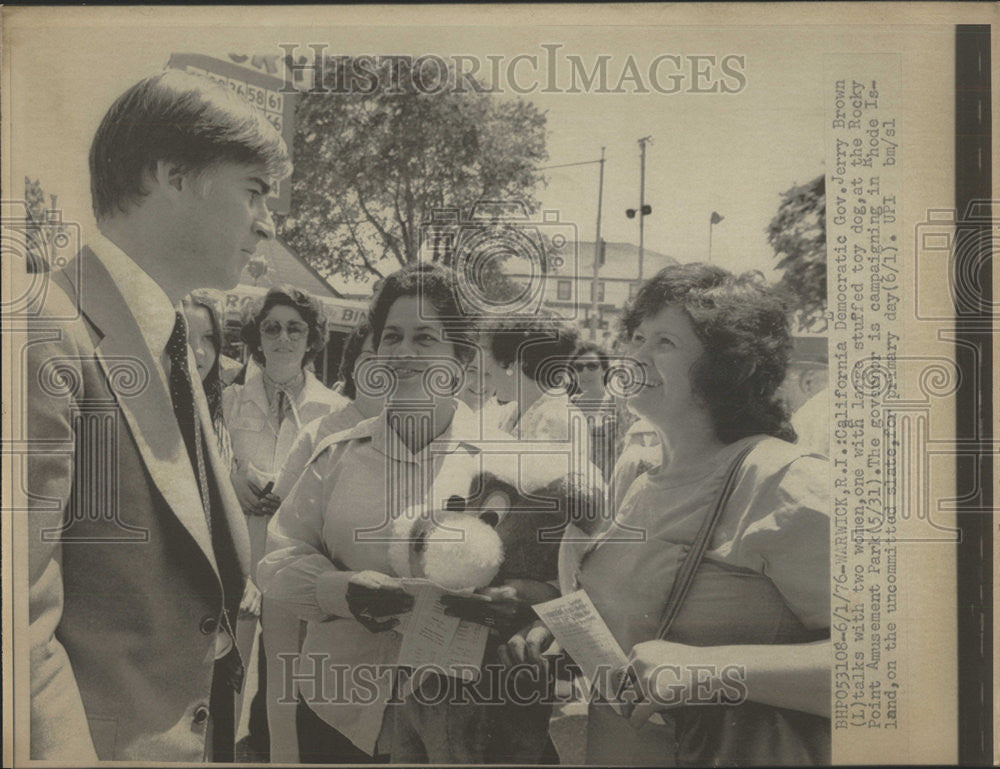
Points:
(527, 363)
(280, 395)
(326, 560)
(723, 606)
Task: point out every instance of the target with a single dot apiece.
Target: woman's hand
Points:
(792, 676)
(534, 645)
(662, 672)
(527, 645)
(250, 604)
(371, 594)
(267, 503)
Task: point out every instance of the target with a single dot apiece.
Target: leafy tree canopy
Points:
(798, 235)
(373, 164)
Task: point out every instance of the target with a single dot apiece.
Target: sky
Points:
(730, 153)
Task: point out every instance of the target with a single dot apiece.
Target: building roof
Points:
(285, 266)
(621, 262)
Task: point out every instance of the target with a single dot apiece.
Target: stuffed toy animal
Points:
(498, 534)
(506, 533)
(451, 548)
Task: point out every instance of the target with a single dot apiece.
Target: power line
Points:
(568, 165)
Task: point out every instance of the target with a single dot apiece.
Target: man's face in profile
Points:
(223, 217)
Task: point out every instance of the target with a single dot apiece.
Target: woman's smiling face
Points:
(413, 340)
(665, 348)
(284, 336)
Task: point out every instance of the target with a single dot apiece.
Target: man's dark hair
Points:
(437, 290)
(289, 296)
(182, 118)
(743, 325)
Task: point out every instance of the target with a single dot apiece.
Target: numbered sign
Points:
(261, 90)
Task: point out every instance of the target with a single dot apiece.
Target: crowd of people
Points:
(254, 507)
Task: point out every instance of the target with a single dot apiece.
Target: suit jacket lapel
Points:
(230, 504)
(148, 412)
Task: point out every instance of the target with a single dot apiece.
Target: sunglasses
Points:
(272, 329)
(589, 366)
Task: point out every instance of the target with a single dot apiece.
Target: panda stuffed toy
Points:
(496, 534)
(503, 534)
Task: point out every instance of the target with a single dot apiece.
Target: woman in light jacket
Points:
(284, 333)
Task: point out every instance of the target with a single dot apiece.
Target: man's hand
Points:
(371, 594)
(253, 499)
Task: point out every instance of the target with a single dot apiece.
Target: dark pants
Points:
(320, 743)
(462, 729)
(259, 738)
(222, 712)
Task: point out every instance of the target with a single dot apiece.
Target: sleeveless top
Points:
(764, 580)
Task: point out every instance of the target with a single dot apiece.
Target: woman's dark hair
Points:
(289, 296)
(353, 346)
(743, 325)
(543, 345)
(587, 347)
(179, 117)
(213, 381)
(436, 289)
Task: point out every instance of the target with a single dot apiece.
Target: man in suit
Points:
(138, 549)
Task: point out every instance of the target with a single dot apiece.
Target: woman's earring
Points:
(509, 371)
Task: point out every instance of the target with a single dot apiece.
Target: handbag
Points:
(748, 734)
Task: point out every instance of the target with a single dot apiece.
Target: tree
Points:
(42, 233)
(798, 235)
(373, 164)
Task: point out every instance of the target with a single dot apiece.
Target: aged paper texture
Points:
(817, 142)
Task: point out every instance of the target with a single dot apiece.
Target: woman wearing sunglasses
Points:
(590, 372)
(590, 366)
(283, 333)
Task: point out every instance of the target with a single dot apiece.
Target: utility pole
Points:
(598, 254)
(642, 195)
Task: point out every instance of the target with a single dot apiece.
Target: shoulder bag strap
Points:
(685, 574)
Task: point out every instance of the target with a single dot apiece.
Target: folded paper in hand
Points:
(431, 638)
(583, 634)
